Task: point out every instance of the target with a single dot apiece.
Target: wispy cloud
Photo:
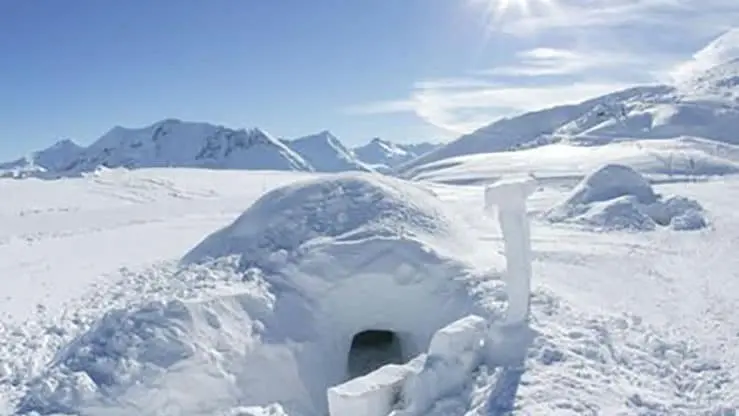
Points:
(554, 61)
(460, 109)
(574, 50)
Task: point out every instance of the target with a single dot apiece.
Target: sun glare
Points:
(499, 9)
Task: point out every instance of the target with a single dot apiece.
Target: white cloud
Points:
(546, 61)
(574, 50)
(464, 110)
(461, 109)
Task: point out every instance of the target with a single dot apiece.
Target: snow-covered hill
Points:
(325, 153)
(386, 155)
(703, 103)
(667, 159)
(173, 143)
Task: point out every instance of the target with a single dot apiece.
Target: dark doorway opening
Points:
(371, 350)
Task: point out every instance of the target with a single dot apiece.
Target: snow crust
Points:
(616, 197)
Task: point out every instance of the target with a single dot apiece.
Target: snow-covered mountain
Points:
(169, 143)
(56, 157)
(703, 102)
(325, 153)
(386, 155)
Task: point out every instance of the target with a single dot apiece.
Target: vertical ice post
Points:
(510, 196)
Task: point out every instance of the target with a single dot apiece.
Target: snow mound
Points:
(325, 153)
(616, 197)
(351, 271)
(346, 207)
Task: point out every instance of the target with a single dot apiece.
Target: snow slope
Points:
(701, 103)
(668, 159)
(174, 143)
(325, 153)
(626, 323)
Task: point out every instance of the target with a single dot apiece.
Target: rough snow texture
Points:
(510, 196)
(616, 197)
(321, 260)
(325, 153)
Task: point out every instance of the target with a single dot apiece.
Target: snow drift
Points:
(617, 197)
(351, 268)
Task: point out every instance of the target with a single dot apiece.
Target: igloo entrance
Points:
(371, 350)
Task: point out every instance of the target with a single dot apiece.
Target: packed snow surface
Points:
(97, 305)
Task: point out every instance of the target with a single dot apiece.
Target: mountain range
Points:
(703, 103)
(176, 143)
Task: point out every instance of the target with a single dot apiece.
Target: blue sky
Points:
(404, 70)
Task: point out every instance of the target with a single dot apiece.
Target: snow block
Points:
(374, 394)
(455, 351)
(459, 337)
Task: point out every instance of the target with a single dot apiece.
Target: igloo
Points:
(353, 284)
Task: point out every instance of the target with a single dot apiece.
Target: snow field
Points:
(624, 323)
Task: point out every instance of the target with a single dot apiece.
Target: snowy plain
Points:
(627, 322)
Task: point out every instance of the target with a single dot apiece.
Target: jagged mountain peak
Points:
(326, 153)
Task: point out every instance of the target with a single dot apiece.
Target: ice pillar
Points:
(510, 196)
